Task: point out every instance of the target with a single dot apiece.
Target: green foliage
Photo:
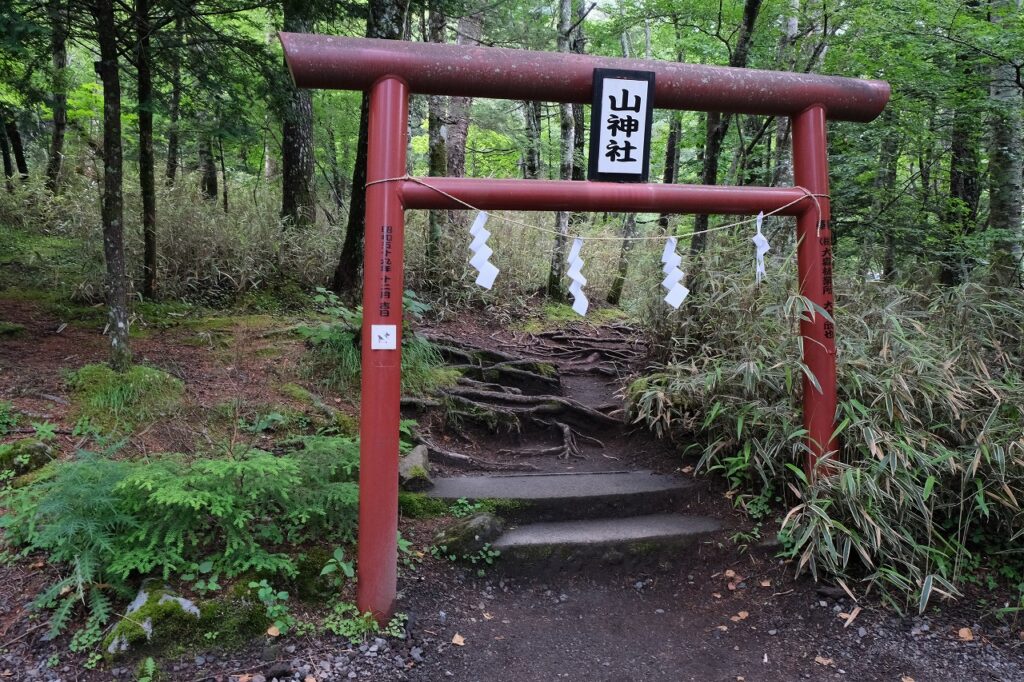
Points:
(8, 417)
(481, 558)
(276, 603)
(931, 418)
(462, 508)
(346, 621)
(147, 670)
(123, 400)
(9, 330)
(335, 353)
(340, 569)
(111, 520)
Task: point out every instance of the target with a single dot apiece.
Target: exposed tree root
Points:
(463, 461)
(533, 405)
(569, 449)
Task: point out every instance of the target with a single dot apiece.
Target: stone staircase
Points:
(575, 518)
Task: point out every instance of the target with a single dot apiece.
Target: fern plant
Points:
(112, 522)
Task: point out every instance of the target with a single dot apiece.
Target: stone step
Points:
(537, 497)
(609, 541)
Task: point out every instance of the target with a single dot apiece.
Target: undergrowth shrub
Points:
(122, 400)
(930, 473)
(113, 521)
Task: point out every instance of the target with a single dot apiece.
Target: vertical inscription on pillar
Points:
(825, 241)
(384, 302)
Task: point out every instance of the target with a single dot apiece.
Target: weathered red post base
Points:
(391, 70)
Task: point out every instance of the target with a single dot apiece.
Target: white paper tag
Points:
(575, 273)
(487, 272)
(677, 295)
(761, 247)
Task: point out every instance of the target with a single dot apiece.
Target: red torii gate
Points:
(391, 70)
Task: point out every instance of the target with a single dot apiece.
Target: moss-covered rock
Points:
(308, 585)
(25, 455)
(414, 470)
(419, 506)
(160, 622)
(466, 537)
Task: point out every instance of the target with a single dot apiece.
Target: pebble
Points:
(773, 632)
(443, 617)
(862, 632)
(659, 610)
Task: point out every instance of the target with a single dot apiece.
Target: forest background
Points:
(165, 139)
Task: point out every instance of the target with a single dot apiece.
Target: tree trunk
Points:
(960, 213)
(1006, 162)
(207, 168)
(223, 171)
(459, 112)
(885, 181)
(5, 150)
(782, 168)
(338, 189)
(113, 202)
(16, 146)
(671, 173)
(567, 149)
(628, 232)
(578, 45)
(437, 116)
(385, 19)
(532, 158)
(59, 103)
(298, 200)
(147, 175)
(717, 127)
(174, 107)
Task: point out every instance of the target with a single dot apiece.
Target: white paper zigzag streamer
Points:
(673, 281)
(487, 272)
(580, 302)
(762, 247)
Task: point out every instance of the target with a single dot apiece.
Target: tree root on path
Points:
(457, 459)
(531, 405)
(569, 449)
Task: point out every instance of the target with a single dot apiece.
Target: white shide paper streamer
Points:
(762, 247)
(480, 260)
(673, 281)
(580, 302)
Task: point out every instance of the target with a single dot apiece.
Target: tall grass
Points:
(931, 421)
(204, 254)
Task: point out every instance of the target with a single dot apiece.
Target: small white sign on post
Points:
(620, 125)
(383, 337)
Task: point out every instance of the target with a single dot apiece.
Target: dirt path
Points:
(712, 612)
